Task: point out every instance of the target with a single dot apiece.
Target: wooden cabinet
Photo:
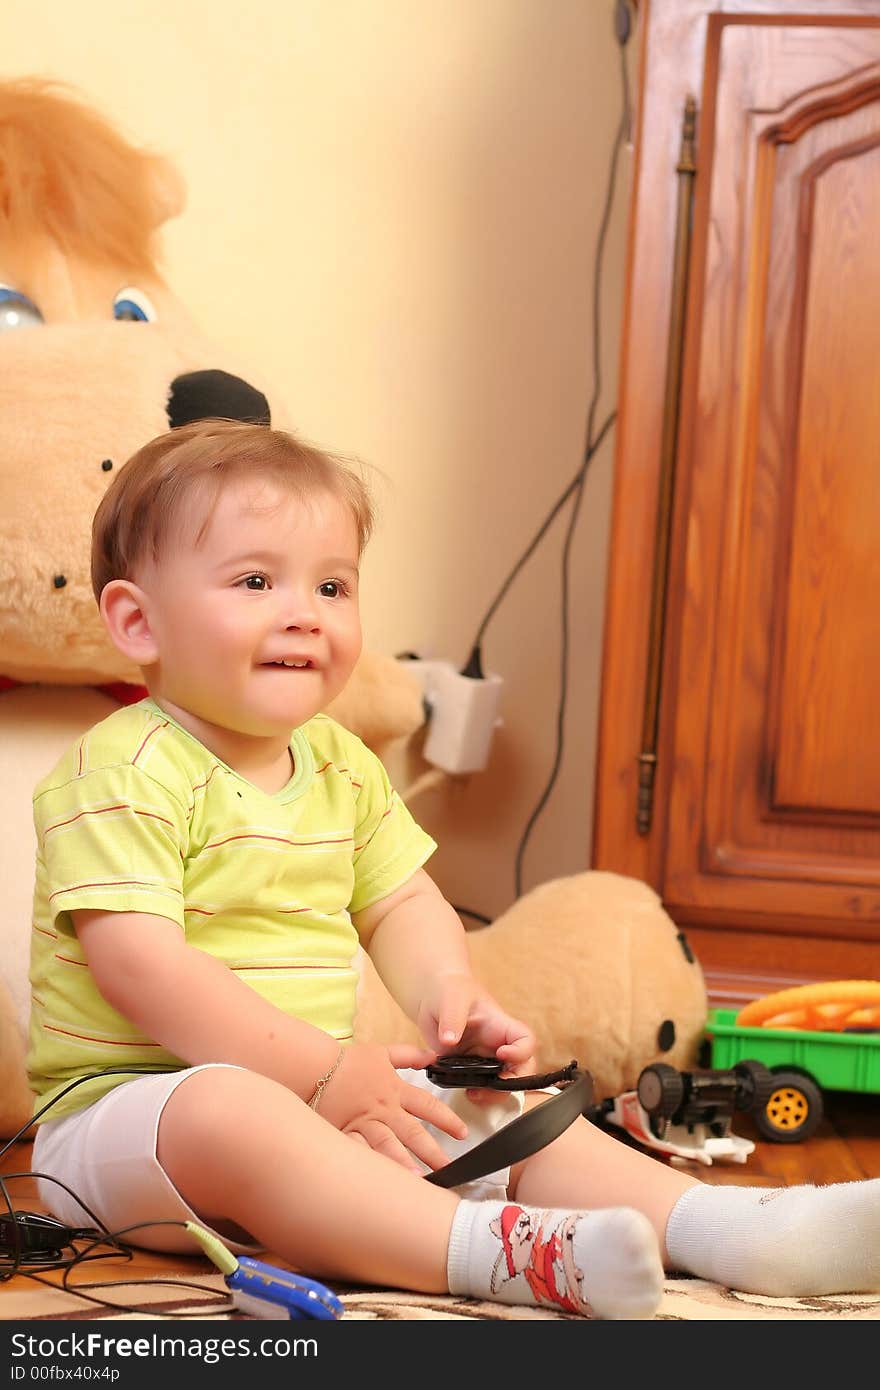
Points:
(752, 608)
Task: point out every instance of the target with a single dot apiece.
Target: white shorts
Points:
(106, 1155)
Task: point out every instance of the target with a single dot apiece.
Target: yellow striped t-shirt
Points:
(138, 816)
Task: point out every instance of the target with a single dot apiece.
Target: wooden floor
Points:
(845, 1148)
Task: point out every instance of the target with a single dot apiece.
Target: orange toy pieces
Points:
(831, 1006)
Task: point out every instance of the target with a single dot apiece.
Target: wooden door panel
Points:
(774, 793)
(828, 750)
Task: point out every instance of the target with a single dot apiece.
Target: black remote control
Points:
(459, 1070)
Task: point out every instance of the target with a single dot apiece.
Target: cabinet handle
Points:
(647, 760)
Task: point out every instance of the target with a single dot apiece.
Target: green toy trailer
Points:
(803, 1065)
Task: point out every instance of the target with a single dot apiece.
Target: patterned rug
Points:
(684, 1300)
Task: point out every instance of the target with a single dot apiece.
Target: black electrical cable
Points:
(541, 532)
(79, 1289)
(622, 26)
(84, 1290)
(619, 143)
(19, 1253)
(15, 1265)
(26, 1263)
(22, 1262)
(78, 1081)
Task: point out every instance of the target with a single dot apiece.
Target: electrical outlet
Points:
(463, 715)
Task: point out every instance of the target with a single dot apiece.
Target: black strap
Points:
(523, 1136)
(458, 1070)
(537, 1082)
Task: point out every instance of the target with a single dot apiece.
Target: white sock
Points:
(602, 1262)
(780, 1240)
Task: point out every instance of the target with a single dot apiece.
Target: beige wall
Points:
(393, 206)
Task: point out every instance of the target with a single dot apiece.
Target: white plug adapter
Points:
(463, 715)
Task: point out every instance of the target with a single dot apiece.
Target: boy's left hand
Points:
(458, 1015)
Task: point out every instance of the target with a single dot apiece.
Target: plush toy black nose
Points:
(212, 395)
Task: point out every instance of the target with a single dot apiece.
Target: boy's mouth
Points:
(291, 664)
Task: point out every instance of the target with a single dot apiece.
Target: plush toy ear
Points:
(167, 188)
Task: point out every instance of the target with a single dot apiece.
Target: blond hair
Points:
(153, 494)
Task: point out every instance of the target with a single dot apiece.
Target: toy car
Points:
(802, 1064)
(688, 1114)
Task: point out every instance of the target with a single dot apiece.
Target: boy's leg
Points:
(588, 1167)
(241, 1149)
(776, 1241)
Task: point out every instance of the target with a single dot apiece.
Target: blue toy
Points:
(264, 1291)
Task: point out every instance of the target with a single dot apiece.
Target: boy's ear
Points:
(124, 611)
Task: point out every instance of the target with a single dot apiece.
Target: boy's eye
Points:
(331, 588)
(256, 582)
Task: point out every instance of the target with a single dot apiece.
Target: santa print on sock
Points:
(546, 1261)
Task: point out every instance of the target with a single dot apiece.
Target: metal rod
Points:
(647, 760)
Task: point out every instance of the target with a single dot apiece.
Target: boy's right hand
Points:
(368, 1100)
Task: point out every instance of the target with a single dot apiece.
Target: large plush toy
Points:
(97, 355)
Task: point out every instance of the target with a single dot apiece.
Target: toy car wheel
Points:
(792, 1111)
(660, 1089)
(755, 1085)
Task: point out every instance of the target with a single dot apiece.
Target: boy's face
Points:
(258, 626)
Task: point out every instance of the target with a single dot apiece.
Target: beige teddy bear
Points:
(99, 356)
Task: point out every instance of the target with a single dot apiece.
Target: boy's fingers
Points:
(408, 1055)
(422, 1144)
(432, 1109)
(519, 1035)
(517, 1052)
(452, 1016)
(519, 1067)
(384, 1141)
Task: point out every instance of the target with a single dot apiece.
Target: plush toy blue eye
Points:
(16, 310)
(133, 306)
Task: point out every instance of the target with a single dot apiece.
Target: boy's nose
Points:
(302, 614)
(298, 609)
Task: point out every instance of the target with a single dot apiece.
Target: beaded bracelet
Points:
(324, 1081)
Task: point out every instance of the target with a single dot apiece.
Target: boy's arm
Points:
(412, 936)
(198, 1009)
(419, 947)
(193, 1005)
